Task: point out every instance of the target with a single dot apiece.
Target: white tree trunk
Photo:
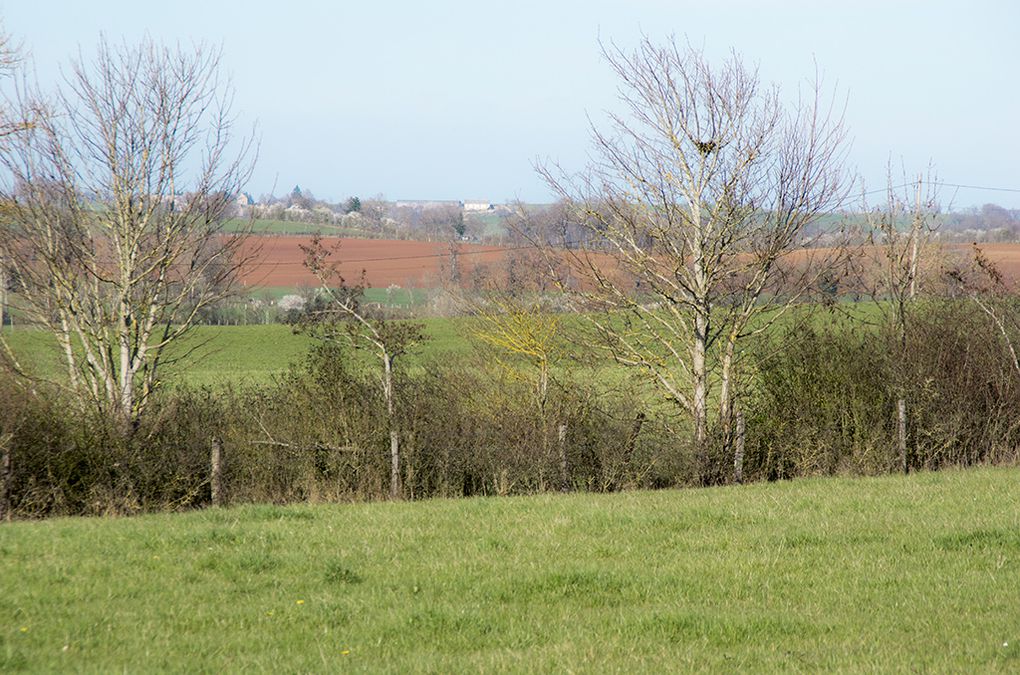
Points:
(699, 373)
(726, 389)
(915, 239)
(394, 431)
(738, 455)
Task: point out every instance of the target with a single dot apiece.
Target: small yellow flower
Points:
(24, 629)
(269, 613)
(300, 602)
(345, 652)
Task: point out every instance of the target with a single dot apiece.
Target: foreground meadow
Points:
(890, 574)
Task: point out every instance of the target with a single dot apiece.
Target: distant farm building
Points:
(426, 204)
(473, 205)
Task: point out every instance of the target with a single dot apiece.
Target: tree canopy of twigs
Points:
(679, 235)
(115, 199)
(902, 228)
(10, 58)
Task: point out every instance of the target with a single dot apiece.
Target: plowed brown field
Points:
(409, 264)
(422, 264)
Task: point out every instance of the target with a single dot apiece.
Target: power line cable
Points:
(976, 187)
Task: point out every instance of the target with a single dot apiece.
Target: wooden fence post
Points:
(216, 472)
(6, 476)
(901, 432)
(564, 468)
(738, 455)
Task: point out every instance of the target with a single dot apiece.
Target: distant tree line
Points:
(989, 223)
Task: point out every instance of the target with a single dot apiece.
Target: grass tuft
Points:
(338, 573)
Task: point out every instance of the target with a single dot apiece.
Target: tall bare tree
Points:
(116, 198)
(686, 224)
(340, 317)
(902, 229)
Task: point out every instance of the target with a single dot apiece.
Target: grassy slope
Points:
(888, 574)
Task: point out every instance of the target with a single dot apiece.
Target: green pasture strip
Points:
(238, 354)
(891, 574)
(386, 297)
(271, 226)
(258, 353)
(233, 354)
(397, 297)
(273, 293)
(219, 354)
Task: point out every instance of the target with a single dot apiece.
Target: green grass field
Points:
(397, 297)
(235, 354)
(887, 574)
(230, 354)
(271, 226)
(387, 297)
(257, 353)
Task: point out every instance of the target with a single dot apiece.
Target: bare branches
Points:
(684, 228)
(337, 316)
(10, 59)
(117, 195)
(994, 295)
(903, 226)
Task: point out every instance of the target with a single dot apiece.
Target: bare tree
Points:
(995, 295)
(902, 228)
(116, 198)
(444, 221)
(341, 318)
(686, 222)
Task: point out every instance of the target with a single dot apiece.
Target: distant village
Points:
(466, 220)
(483, 221)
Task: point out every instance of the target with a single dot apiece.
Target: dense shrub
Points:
(465, 430)
(824, 399)
(66, 460)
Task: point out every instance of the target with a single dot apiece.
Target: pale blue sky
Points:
(452, 99)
